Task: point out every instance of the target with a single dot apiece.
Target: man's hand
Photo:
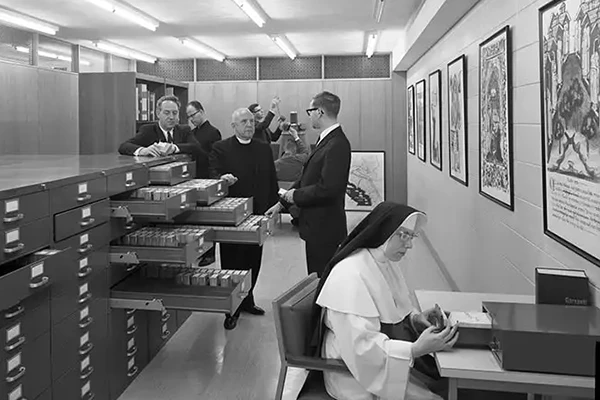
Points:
(294, 133)
(289, 196)
(273, 211)
(275, 104)
(229, 178)
(150, 151)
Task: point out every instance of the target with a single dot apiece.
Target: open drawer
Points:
(208, 191)
(253, 230)
(228, 211)
(156, 204)
(138, 292)
(172, 173)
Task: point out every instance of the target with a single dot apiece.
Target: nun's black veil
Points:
(371, 232)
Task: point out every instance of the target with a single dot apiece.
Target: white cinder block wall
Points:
(484, 247)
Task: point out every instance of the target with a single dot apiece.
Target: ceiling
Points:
(313, 27)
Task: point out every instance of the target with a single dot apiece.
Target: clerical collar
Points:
(243, 141)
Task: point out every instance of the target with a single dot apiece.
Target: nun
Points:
(363, 315)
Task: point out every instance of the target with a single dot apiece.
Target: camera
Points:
(293, 123)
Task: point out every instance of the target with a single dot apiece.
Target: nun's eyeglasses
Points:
(404, 236)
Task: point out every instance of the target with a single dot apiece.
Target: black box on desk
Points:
(544, 338)
(569, 287)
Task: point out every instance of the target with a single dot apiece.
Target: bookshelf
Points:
(113, 106)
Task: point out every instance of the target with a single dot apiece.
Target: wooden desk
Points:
(479, 369)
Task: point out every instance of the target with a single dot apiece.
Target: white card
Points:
(85, 363)
(83, 289)
(13, 332)
(37, 270)
(219, 187)
(83, 314)
(183, 197)
(82, 188)
(201, 241)
(16, 394)
(129, 176)
(13, 363)
(86, 212)
(185, 168)
(12, 236)
(164, 328)
(130, 321)
(84, 339)
(131, 363)
(11, 206)
(131, 343)
(84, 239)
(86, 389)
(83, 263)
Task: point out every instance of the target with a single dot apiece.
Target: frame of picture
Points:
(496, 175)
(410, 119)
(570, 187)
(435, 119)
(366, 181)
(421, 120)
(458, 137)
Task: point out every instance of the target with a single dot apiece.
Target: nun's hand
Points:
(431, 342)
(419, 322)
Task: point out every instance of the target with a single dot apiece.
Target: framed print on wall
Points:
(457, 121)
(366, 181)
(495, 119)
(420, 119)
(411, 119)
(570, 95)
(435, 119)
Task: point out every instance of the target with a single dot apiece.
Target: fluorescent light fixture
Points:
(249, 9)
(47, 54)
(23, 21)
(124, 52)
(127, 13)
(371, 44)
(378, 10)
(202, 48)
(283, 45)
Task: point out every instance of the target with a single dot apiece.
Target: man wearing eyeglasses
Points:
(262, 121)
(320, 192)
(165, 137)
(205, 133)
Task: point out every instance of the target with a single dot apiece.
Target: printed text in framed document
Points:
(435, 119)
(410, 119)
(570, 93)
(495, 119)
(420, 119)
(366, 181)
(457, 121)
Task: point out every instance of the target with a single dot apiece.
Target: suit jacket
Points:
(262, 131)
(321, 190)
(151, 133)
(206, 135)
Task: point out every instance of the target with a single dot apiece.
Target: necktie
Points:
(169, 137)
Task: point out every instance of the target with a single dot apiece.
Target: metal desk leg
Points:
(452, 389)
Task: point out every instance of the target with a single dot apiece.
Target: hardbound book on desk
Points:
(544, 338)
(474, 328)
(561, 286)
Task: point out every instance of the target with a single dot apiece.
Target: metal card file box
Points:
(228, 211)
(208, 191)
(544, 338)
(172, 173)
(253, 230)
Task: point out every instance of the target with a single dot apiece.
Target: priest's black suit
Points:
(253, 165)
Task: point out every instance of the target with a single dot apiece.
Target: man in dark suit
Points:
(262, 121)
(205, 133)
(247, 165)
(165, 137)
(320, 191)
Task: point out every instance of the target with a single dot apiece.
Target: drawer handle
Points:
(133, 371)
(20, 310)
(16, 345)
(87, 222)
(16, 218)
(90, 396)
(85, 273)
(84, 197)
(133, 267)
(185, 175)
(185, 206)
(132, 330)
(17, 376)
(129, 184)
(87, 373)
(132, 352)
(84, 324)
(85, 248)
(86, 349)
(165, 317)
(14, 249)
(42, 282)
(84, 298)
(166, 335)
(130, 312)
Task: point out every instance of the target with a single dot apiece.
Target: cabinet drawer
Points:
(255, 229)
(138, 291)
(120, 227)
(29, 320)
(186, 254)
(77, 296)
(32, 377)
(85, 243)
(77, 194)
(86, 381)
(125, 181)
(154, 210)
(172, 173)
(25, 239)
(18, 211)
(228, 211)
(29, 275)
(76, 336)
(80, 219)
(161, 327)
(208, 191)
(75, 272)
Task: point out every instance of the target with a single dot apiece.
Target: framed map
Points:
(435, 119)
(420, 119)
(366, 181)
(411, 119)
(457, 120)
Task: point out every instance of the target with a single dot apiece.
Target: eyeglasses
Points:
(192, 115)
(404, 236)
(309, 110)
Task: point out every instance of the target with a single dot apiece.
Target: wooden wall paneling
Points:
(349, 93)
(59, 112)
(92, 132)
(295, 96)
(120, 110)
(375, 118)
(398, 191)
(220, 99)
